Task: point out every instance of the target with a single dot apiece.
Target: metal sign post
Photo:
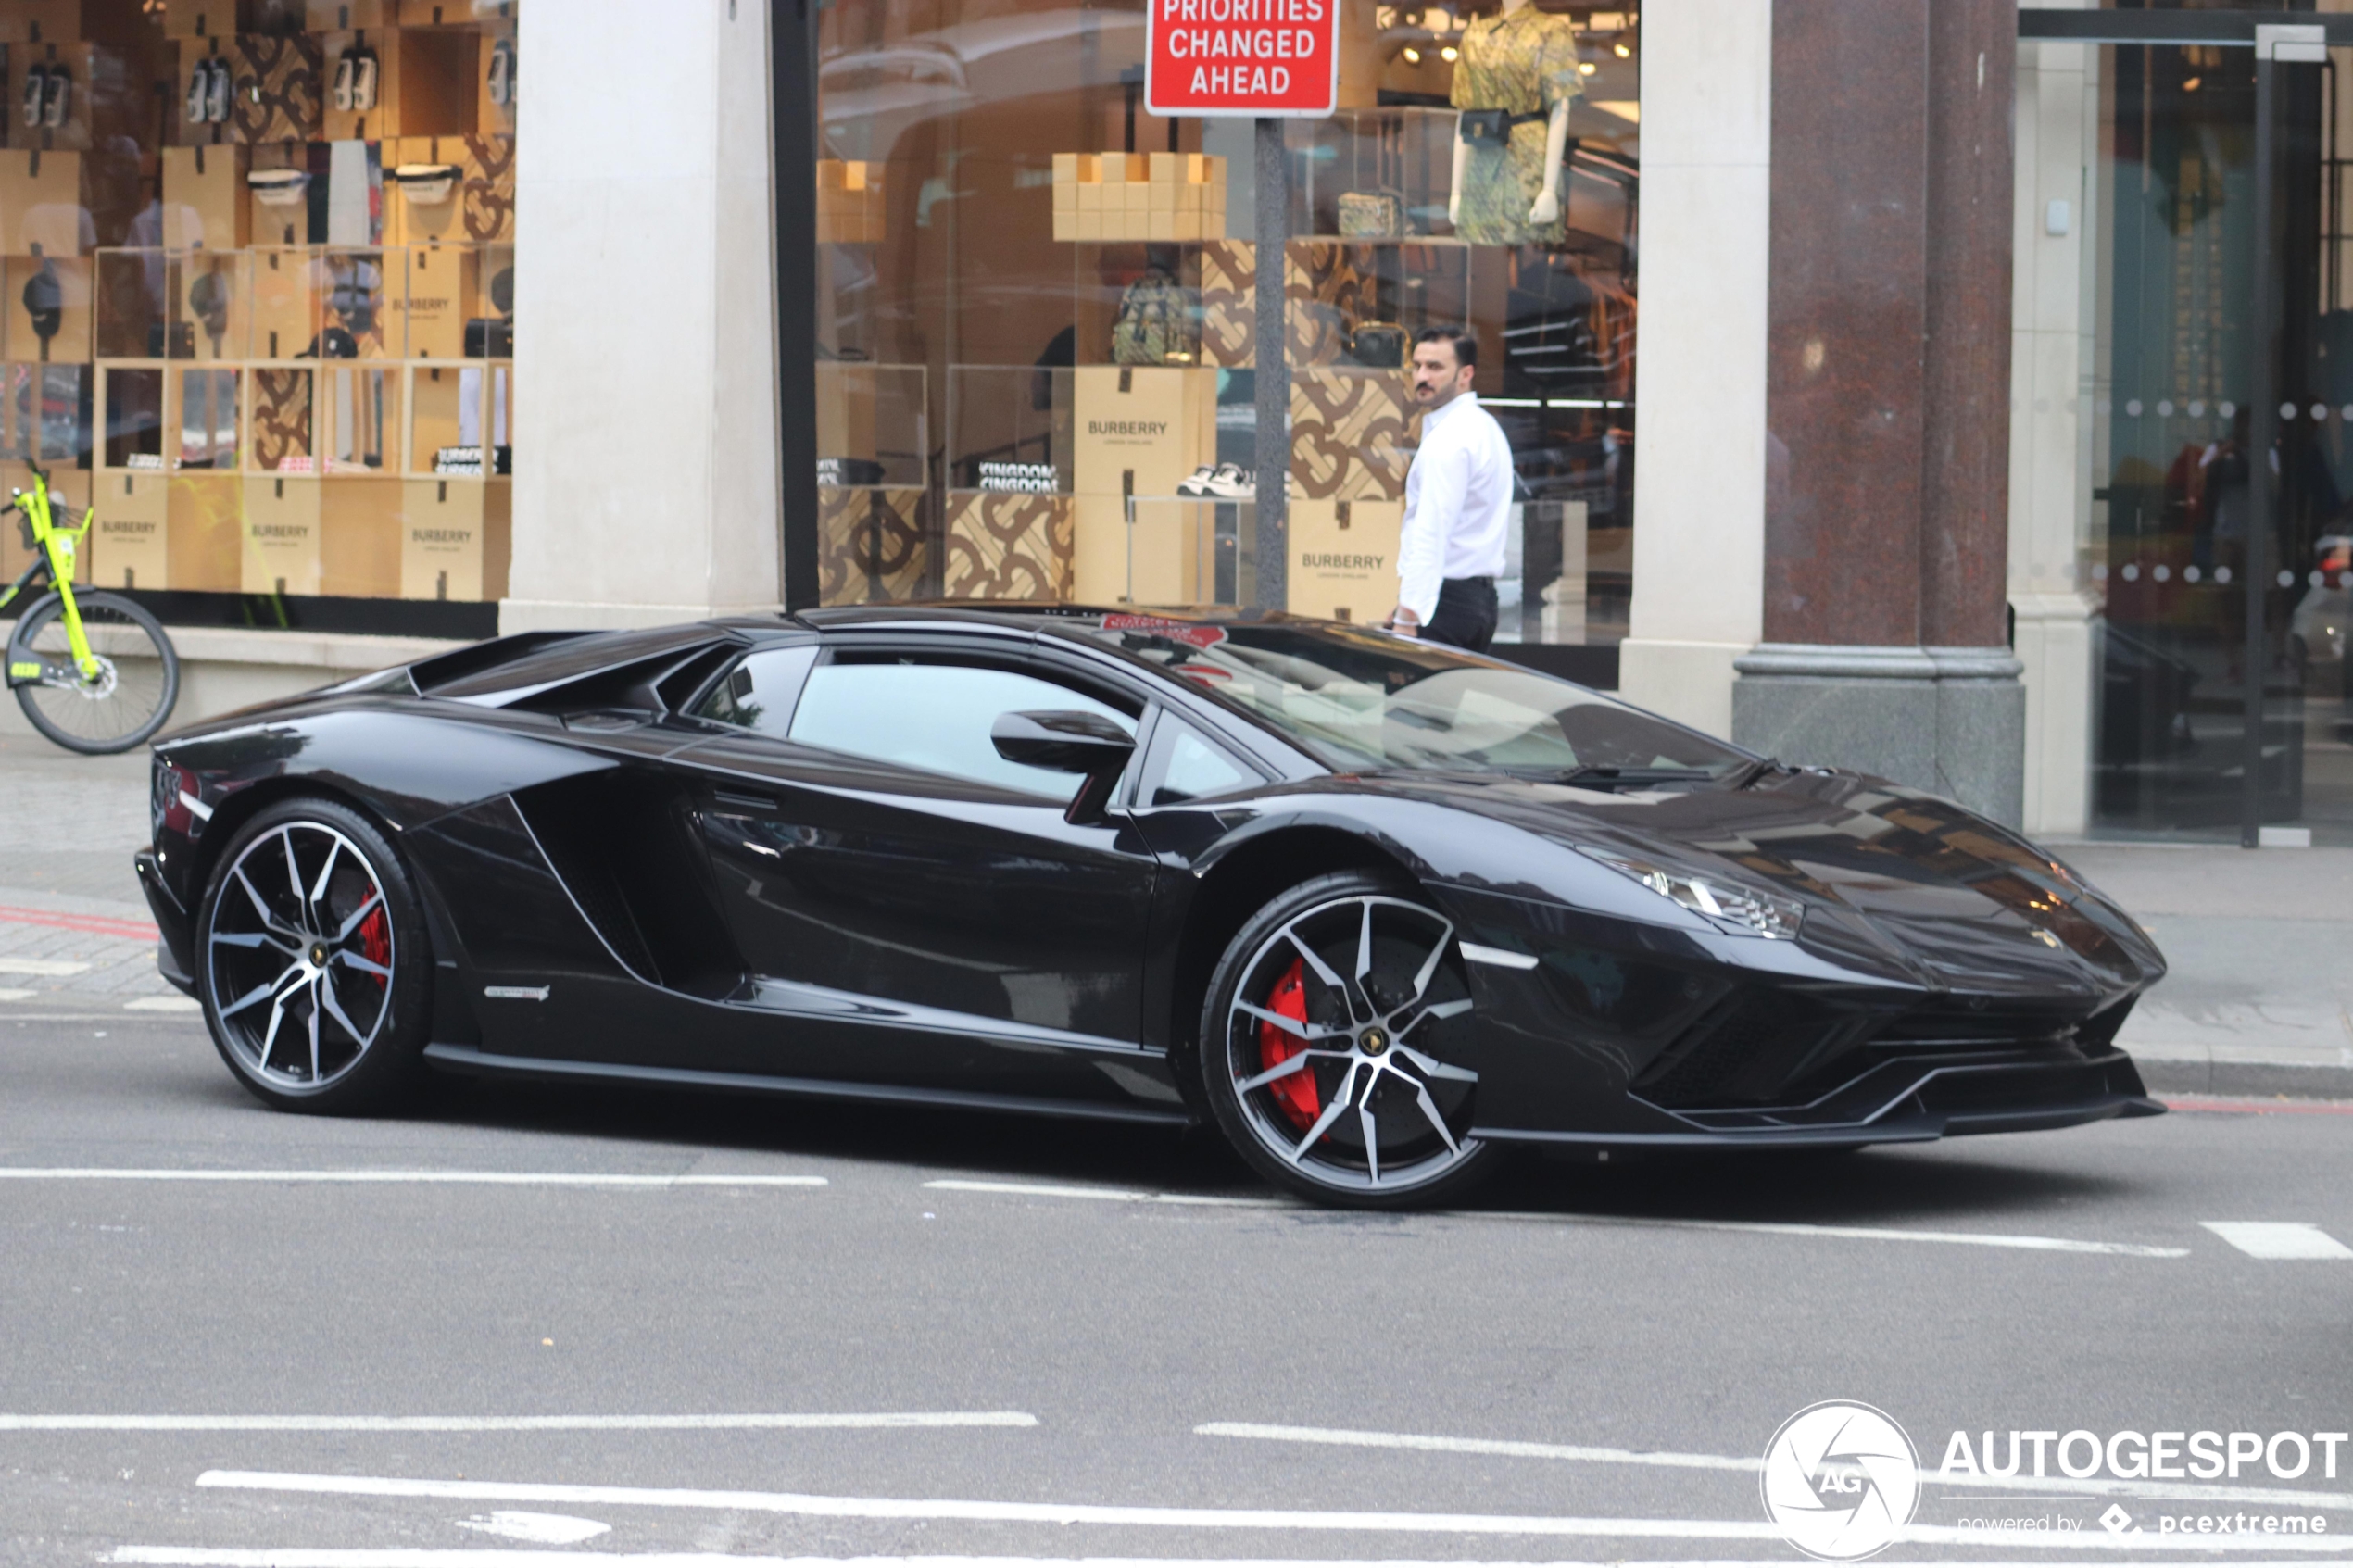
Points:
(2275, 46)
(1272, 377)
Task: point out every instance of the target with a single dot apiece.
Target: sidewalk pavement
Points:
(2260, 999)
(2261, 941)
(75, 935)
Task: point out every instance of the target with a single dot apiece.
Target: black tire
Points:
(362, 1051)
(1406, 1144)
(132, 701)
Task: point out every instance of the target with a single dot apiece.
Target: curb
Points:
(2255, 1079)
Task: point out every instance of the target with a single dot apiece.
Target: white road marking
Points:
(1471, 1446)
(1339, 1437)
(1107, 1195)
(476, 1556)
(1847, 1232)
(2278, 1239)
(1854, 1233)
(57, 967)
(541, 1529)
(456, 1178)
(1187, 1518)
(164, 1004)
(755, 1421)
(16, 994)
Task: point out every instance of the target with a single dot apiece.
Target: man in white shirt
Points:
(1458, 498)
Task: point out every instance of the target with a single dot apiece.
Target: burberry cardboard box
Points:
(1343, 558)
(1141, 429)
(205, 204)
(204, 524)
(454, 539)
(1163, 558)
(430, 293)
(130, 546)
(283, 536)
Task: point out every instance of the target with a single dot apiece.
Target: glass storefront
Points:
(256, 263)
(1036, 307)
(2175, 446)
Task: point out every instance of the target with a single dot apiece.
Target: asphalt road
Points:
(1068, 1320)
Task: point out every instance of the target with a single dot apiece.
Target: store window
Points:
(1036, 307)
(2193, 736)
(256, 263)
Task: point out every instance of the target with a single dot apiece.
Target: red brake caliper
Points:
(1294, 1092)
(376, 939)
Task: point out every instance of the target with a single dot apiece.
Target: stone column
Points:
(645, 407)
(1699, 509)
(1887, 399)
(1973, 171)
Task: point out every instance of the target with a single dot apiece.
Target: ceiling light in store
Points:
(1586, 68)
(1413, 56)
(2192, 84)
(1622, 49)
(1449, 54)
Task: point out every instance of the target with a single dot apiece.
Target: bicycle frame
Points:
(55, 548)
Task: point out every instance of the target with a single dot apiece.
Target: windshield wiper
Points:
(1605, 776)
(1747, 776)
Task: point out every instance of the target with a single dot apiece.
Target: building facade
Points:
(874, 300)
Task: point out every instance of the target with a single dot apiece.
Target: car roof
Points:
(982, 613)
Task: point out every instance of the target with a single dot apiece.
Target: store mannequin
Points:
(1524, 60)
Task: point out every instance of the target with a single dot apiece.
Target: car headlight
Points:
(1742, 910)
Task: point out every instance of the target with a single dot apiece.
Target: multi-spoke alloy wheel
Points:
(1332, 1046)
(304, 952)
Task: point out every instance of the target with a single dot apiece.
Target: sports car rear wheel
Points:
(1331, 1046)
(313, 963)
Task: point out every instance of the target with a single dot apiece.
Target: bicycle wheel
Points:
(138, 678)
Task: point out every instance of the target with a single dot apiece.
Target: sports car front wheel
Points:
(1332, 1041)
(313, 963)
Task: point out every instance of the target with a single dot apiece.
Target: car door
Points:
(889, 877)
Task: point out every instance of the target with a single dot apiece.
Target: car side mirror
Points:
(1068, 742)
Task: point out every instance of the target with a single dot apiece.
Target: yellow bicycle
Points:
(92, 671)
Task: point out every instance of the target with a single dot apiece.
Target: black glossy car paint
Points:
(706, 905)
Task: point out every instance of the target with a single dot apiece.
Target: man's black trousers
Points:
(1466, 614)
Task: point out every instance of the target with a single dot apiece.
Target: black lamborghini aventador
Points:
(1381, 910)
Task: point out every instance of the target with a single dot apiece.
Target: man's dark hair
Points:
(1459, 339)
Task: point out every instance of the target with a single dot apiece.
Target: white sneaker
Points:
(1226, 482)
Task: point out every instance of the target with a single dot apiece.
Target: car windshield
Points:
(1362, 699)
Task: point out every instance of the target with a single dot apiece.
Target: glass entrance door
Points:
(2203, 728)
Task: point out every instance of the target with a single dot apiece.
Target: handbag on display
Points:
(1379, 344)
(1372, 215)
(1157, 322)
(492, 337)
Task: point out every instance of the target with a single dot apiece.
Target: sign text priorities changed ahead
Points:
(1242, 57)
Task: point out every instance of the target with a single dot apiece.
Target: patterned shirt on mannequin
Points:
(1523, 60)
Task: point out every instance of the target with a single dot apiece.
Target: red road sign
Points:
(1258, 57)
